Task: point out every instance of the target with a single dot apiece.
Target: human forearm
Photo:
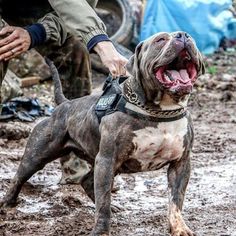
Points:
(81, 18)
(112, 59)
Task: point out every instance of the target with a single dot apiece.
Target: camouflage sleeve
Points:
(56, 31)
(80, 17)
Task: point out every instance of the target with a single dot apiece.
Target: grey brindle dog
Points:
(155, 131)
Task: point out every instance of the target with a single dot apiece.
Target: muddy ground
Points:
(47, 208)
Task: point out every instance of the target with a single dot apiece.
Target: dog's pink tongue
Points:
(181, 75)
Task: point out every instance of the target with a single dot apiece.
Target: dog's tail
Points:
(58, 93)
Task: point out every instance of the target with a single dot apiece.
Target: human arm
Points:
(16, 40)
(54, 29)
(88, 26)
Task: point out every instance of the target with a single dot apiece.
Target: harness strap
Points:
(112, 100)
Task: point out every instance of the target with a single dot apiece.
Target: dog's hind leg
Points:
(42, 148)
(88, 184)
(178, 177)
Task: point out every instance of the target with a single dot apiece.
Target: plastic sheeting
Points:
(207, 21)
(24, 109)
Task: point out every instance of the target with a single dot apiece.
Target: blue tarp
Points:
(207, 21)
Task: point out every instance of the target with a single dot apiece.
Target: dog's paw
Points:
(99, 229)
(2, 208)
(99, 234)
(7, 204)
(177, 224)
(2, 204)
(182, 231)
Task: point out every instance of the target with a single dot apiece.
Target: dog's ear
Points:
(133, 61)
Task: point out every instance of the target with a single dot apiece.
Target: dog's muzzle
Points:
(179, 75)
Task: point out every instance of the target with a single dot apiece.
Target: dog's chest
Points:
(155, 146)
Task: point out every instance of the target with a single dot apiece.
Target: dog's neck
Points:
(169, 103)
(135, 94)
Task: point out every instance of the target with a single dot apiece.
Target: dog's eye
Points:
(160, 40)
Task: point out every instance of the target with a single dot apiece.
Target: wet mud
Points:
(47, 208)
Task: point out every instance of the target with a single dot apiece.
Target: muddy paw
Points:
(2, 204)
(99, 234)
(7, 204)
(184, 231)
(100, 231)
(2, 208)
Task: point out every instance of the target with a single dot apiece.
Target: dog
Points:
(147, 127)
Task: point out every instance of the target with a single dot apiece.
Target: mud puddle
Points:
(47, 208)
(142, 200)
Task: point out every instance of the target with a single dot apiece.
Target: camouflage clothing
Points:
(66, 28)
(73, 64)
(78, 16)
(63, 40)
(85, 23)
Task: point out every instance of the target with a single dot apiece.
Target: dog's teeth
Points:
(168, 77)
(188, 57)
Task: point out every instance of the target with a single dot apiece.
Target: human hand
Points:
(111, 59)
(15, 40)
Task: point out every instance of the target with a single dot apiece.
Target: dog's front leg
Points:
(178, 177)
(103, 180)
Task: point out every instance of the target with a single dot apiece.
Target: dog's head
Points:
(168, 62)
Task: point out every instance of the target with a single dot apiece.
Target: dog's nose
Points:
(181, 36)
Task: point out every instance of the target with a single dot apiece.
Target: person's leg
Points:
(73, 64)
(3, 69)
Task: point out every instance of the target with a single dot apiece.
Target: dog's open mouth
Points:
(179, 75)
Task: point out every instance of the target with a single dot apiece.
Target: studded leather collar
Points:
(113, 100)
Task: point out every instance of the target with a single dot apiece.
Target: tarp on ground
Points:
(207, 21)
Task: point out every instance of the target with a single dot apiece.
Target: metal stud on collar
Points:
(132, 97)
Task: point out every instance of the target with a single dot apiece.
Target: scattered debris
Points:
(24, 109)
(14, 130)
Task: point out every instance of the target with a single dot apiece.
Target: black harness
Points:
(113, 100)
